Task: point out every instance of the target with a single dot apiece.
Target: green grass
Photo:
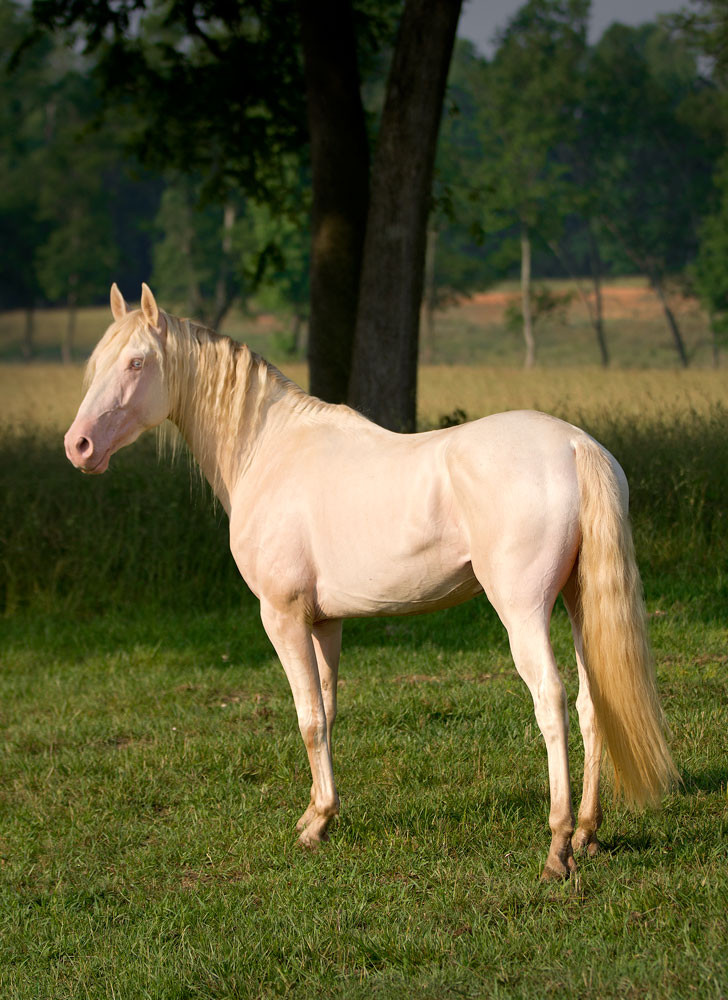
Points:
(152, 772)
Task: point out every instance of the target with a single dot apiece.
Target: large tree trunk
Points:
(340, 169)
(384, 370)
(530, 358)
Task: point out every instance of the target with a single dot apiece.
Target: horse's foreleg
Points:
(327, 647)
(293, 642)
(534, 659)
(590, 808)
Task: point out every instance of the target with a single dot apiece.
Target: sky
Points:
(481, 19)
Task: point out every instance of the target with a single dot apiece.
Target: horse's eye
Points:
(136, 363)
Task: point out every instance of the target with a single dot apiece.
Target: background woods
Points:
(282, 156)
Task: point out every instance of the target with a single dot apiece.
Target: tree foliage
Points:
(243, 148)
(233, 88)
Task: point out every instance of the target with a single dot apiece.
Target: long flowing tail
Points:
(616, 649)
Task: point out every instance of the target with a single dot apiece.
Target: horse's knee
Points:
(550, 708)
(313, 731)
(585, 705)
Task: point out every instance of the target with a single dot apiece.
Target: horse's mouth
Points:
(100, 467)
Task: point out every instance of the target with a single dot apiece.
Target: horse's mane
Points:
(203, 369)
(208, 372)
(212, 381)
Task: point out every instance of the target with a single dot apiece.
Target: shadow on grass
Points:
(709, 780)
(219, 639)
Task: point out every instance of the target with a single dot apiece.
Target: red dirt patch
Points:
(619, 302)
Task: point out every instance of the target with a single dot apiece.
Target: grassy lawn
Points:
(152, 772)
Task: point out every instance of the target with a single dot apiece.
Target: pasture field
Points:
(152, 772)
(473, 331)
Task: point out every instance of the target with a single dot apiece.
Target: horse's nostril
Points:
(84, 447)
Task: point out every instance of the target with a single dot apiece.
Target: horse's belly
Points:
(386, 590)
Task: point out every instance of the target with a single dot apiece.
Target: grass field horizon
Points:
(152, 771)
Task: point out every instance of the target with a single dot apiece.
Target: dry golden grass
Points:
(47, 395)
(573, 393)
(41, 395)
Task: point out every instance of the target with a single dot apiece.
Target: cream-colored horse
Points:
(333, 517)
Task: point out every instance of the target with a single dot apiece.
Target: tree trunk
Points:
(596, 312)
(430, 297)
(297, 332)
(528, 337)
(714, 346)
(655, 281)
(340, 178)
(29, 334)
(224, 287)
(595, 261)
(195, 300)
(384, 370)
(671, 321)
(70, 334)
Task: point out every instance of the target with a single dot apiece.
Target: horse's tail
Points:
(617, 654)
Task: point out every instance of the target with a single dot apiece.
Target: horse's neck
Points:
(223, 438)
(203, 441)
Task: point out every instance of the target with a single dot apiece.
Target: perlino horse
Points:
(333, 517)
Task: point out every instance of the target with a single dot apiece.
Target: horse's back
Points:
(521, 452)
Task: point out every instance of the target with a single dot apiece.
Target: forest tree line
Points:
(179, 144)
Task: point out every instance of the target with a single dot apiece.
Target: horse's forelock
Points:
(113, 342)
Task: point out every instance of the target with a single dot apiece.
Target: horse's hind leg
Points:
(590, 809)
(534, 659)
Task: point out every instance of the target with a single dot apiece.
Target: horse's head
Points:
(126, 391)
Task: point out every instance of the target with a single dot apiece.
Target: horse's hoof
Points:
(311, 841)
(558, 870)
(586, 843)
(550, 874)
(308, 843)
(306, 818)
(316, 831)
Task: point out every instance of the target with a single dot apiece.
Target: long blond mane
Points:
(219, 390)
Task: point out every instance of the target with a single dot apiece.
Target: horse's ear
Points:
(118, 306)
(152, 315)
(149, 306)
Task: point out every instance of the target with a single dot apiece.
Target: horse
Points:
(333, 517)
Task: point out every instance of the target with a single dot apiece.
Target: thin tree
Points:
(528, 111)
